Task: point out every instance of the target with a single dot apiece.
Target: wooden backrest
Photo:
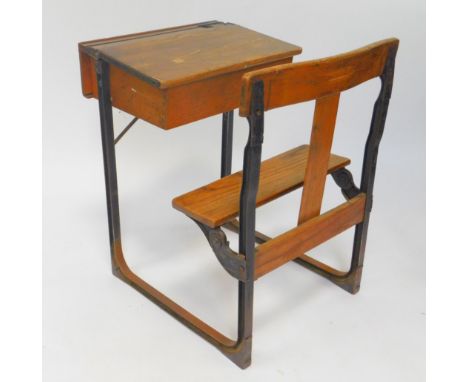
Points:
(304, 81)
(322, 80)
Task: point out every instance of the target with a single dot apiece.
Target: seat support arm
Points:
(232, 262)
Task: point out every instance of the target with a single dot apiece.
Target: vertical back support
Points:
(319, 153)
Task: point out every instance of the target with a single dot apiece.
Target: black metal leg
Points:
(226, 143)
(248, 196)
(238, 351)
(110, 169)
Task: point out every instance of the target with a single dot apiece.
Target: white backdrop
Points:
(96, 328)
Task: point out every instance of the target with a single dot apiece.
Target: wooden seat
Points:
(170, 77)
(217, 203)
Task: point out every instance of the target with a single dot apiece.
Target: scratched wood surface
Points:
(218, 202)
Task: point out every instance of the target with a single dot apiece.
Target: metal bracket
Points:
(344, 179)
(232, 262)
(124, 131)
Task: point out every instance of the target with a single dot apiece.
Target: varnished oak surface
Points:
(174, 76)
(177, 56)
(218, 202)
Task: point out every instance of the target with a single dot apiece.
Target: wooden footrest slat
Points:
(218, 202)
(310, 234)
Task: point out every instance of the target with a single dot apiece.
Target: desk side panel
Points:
(88, 75)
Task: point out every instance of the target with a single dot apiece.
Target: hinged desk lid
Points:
(176, 56)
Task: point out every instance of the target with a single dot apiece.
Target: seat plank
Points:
(218, 202)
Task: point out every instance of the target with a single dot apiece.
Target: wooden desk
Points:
(171, 77)
(174, 76)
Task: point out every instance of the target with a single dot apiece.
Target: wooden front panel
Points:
(204, 98)
(167, 108)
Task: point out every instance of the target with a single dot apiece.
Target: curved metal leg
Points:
(238, 351)
(350, 281)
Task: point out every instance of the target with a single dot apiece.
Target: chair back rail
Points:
(304, 81)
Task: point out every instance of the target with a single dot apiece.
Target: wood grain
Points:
(319, 153)
(308, 235)
(292, 83)
(167, 108)
(201, 99)
(186, 54)
(218, 202)
(179, 75)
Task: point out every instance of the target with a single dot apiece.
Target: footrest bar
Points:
(345, 280)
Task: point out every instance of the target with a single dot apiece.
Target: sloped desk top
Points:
(170, 77)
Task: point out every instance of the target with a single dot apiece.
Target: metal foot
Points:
(349, 281)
